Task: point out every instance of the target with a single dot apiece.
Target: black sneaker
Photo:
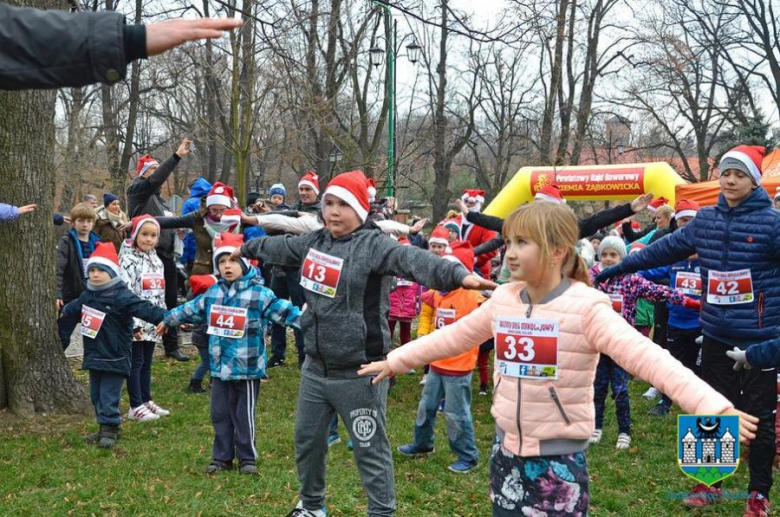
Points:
(109, 434)
(248, 467)
(177, 355)
(217, 466)
(659, 409)
(195, 386)
(483, 389)
(275, 361)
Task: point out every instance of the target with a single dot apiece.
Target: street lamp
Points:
(377, 57)
(334, 157)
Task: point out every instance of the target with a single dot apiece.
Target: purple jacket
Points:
(405, 301)
(8, 212)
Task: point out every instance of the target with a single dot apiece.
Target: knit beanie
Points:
(613, 243)
(277, 189)
(108, 198)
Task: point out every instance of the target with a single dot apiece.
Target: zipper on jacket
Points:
(520, 388)
(761, 310)
(557, 401)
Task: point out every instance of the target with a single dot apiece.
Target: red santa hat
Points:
(310, 179)
(141, 220)
(657, 203)
(777, 194)
(686, 208)
(220, 194)
(463, 253)
(231, 217)
(146, 162)
(350, 187)
(473, 196)
(745, 158)
(227, 242)
(404, 241)
(636, 246)
(550, 193)
(440, 235)
(104, 257)
(201, 283)
(371, 187)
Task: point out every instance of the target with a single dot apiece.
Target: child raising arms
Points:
(550, 328)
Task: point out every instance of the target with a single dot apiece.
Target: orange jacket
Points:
(440, 310)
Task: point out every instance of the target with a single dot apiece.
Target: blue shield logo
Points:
(708, 446)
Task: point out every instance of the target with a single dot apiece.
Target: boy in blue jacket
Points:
(238, 310)
(739, 252)
(107, 308)
(683, 327)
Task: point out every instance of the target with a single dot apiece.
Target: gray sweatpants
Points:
(233, 417)
(362, 406)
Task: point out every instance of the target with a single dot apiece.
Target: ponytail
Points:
(578, 270)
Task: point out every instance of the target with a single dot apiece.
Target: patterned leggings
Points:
(542, 486)
(608, 372)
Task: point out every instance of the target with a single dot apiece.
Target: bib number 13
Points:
(526, 345)
(316, 272)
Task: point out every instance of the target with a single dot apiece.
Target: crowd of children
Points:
(710, 271)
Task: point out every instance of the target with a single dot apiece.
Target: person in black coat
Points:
(107, 308)
(144, 197)
(51, 49)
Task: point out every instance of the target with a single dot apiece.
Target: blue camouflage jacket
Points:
(236, 358)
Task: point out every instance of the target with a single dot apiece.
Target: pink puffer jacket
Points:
(405, 301)
(544, 417)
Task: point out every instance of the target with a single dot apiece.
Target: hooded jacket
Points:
(232, 359)
(200, 187)
(71, 275)
(351, 328)
(728, 239)
(110, 350)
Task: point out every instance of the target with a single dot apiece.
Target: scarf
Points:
(215, 228)
(115, 220)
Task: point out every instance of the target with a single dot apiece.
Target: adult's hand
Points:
(166, 35)
(184, 148)
(641, 202)
(27, 209)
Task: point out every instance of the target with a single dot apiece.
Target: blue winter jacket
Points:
(200, 187)
(8, 212)
(679, 316)
(728, 239)
(232, 359)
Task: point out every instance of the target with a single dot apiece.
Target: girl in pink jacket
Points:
(404, 304)
(550, 328)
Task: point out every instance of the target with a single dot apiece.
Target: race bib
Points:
(527, 348)
(444, 317)
(91, 321)
(688, 283)
(617, 301)
(321, 272)
(730, 287)
(402, 282)
(229, 322)
(152, 283)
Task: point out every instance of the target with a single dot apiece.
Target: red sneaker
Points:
(757, 505)
(703, 495)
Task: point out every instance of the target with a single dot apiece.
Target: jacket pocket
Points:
(554, 396)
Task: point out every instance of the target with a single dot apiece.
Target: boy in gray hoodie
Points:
(347, 271)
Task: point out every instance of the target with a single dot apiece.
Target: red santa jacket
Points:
(477, 235)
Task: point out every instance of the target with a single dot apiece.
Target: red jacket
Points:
(477, 235)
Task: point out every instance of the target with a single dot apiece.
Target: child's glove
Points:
(690, 303)
(740, 356)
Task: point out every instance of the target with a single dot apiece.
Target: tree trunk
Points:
(441, 191)
(212, 90)
(34, 375)
(545, 144)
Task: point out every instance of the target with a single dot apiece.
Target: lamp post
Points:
(334, 157)
(377, 58)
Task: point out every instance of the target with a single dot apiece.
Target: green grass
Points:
(157, 467)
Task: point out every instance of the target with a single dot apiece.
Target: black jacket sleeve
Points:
(63, 252)
(185, 221)
(51, 49)
(140, 190)
(608, 217)
(489, 246)
(630, 235)
(486, 221)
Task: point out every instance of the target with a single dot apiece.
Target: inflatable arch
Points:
(588, 183)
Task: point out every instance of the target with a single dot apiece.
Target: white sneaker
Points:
(650, 394)
(141, 414)
(424, 380)
(299, 511)
(157, 410)
(596, 436)
(623, 441)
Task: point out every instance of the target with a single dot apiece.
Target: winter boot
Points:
(109, 434)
